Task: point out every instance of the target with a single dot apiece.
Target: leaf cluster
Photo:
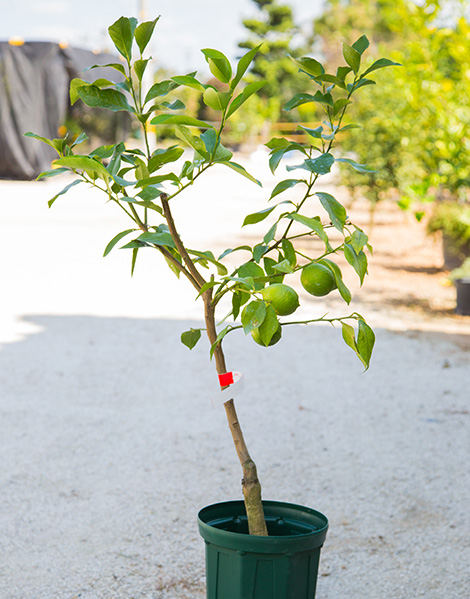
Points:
(145, 184)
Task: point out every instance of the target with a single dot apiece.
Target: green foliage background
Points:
(418, 118)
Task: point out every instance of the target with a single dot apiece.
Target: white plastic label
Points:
(235, 383)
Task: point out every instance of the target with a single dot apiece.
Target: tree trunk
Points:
(250, 483)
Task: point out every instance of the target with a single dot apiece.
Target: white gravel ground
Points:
(110, 445)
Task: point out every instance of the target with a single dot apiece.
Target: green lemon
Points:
(283, 298)
(274, 339)
(317, 279)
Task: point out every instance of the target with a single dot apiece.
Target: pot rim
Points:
(259, 544)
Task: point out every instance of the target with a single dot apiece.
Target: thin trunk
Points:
(250, 483)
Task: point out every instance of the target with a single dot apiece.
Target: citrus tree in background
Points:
(146, 184)
(275, 28)
(417, 120)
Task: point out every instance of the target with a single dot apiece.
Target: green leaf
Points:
(103, 151)
(339, 104)
(161, 157)
(219, 64)
(243, 65)
(358, 260)
(122, 34)
(252, 271)
(175, 105)
(298, 100)
(332, 79)
(189, 81)
(362, 168)
(342, 72)
(193, 141)
(312, 223)
(230, 250)
(161, 238)
(160, 89)
(134, 259)
(320, 165)
(79, 139)
(247, 92)
(360, 83)
(191, 337)
(349, 335)
(144, 32)
(365, 342)
(283, 185)
(104, 98)
(352, 57)
(69, 186)
(74, 85)
(323, 98)
(215, 99)
(336, 211)
(335, 269)
(222, 154)
(270, 325)
(270, 234)
(380, 64)
(83, 163)
(239, 169)
(316, 133)
(309, 65)
(210, 138)
(52, 173)
(45, 140)
(116, 239)
(112, 65)
(361, 44)
(284, 266)
(257, 217)
(358, 240)
(278, 153)
(156, 179)
(220, 336)
(253, 315)
(209, 256)
(179, 119)
(139, 68)
(115, 162)
(347, 127)
(289, 252)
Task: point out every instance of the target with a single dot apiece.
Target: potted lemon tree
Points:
(254, 548)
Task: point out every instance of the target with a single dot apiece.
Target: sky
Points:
(185, 26)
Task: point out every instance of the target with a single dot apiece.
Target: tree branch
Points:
(179, 244)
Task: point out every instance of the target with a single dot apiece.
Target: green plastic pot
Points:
(283, 565)
(463, 296)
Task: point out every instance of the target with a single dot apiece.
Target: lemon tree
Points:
(146, 184)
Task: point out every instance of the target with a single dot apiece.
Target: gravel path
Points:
(110, 445)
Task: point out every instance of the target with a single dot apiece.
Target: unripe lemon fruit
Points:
(282, 298)
(317, 279)
(274, 339)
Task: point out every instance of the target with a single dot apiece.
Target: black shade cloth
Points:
(34, 96)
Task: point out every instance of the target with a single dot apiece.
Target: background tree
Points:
(415, 138)
(274, 26)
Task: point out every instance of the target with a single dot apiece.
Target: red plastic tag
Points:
(226, 379)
